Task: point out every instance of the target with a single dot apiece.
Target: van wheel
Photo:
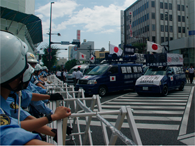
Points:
(181, 86)
(165, 90)
(102, 91)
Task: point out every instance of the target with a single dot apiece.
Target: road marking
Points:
(145, 103)
(184, 124)
(154, 100)
(139, 126)
(144, 107)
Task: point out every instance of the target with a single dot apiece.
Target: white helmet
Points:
(13, 57)
(44, 67)
(28, 73)
(38, 67)
(31, 58)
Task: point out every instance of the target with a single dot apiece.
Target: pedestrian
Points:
(79, 74)
(58, 74)
(191, 74)
(74, 76)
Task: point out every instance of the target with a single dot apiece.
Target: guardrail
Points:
(79, 101)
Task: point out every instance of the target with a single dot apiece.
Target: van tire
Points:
(181, 86)
(165, 90)
(102, 91)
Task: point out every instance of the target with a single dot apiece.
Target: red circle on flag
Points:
(116, 49)
(112, 78)
(154, 47)
(92, 58)
(82, 56)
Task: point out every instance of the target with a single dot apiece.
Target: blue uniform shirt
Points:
(12, 105)
(34, 80)
(11, 133)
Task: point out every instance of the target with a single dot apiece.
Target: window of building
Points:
(170, 18)
(171, 38)
(179, 18)
(153, 27)
(148, 16)
(166, 28)
(183, 18)
(166, 6)
(179, 29)
(162, 28)
(170, 6)
(166, 39)
(147, 4)
(153, 15)
(171, 29)
(183, 29)
(145, 17)
(162, 39)
(166, 16)
(178, 7)
(153, 39)
(161, 17)
(153, 3)
(182, 8)
(161, 5)
(102, 54)
(148, 28)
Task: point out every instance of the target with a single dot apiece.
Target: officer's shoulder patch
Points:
(5, 120)
(14, 106)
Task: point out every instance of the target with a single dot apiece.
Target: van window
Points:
(113, 70)
(156, 71)
(129, 70)
(98, 70)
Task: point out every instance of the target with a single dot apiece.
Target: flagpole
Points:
(109, 46)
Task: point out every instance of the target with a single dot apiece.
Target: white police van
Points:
(84, 68)
(110, 77)
(165, 73)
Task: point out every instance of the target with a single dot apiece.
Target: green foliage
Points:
(45, 58)
(70, 63)
(140, 47)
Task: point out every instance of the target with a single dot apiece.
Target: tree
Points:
(140, 47)
(45, 57)
(70, 64)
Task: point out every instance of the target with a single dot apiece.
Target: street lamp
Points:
(168, 28)
(50, 36)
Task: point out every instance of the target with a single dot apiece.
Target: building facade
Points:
(17, 17)
(161, 21)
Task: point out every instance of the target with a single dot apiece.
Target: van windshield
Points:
(156, 71)
(71, 71)
(98, 70)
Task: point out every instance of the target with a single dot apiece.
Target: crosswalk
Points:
(154, 112)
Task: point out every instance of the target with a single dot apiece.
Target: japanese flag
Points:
(82, 56)
(112, 78)
(92, 59)
(152, 47)
(115, 49)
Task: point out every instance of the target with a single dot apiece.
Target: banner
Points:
(129, 50)
(174, 59)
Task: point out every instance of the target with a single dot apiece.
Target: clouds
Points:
(95, 19)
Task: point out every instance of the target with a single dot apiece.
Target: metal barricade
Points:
(79, 101)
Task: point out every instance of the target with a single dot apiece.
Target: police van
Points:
(84, 68)
(110, 77)
(164, 73)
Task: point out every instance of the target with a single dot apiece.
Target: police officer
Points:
(79, 74)
(11, 80)
(74, 76)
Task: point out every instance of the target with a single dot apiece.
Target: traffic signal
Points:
(76, 43)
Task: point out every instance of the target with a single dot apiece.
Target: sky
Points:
(98, 21)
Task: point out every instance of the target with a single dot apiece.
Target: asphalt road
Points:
(148, 136)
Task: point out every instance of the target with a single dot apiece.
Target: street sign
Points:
(65, 43)
(75, 48)
(76, 40)
(192, 32)
(49, 50)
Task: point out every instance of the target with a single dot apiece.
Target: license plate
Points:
(145, 88)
